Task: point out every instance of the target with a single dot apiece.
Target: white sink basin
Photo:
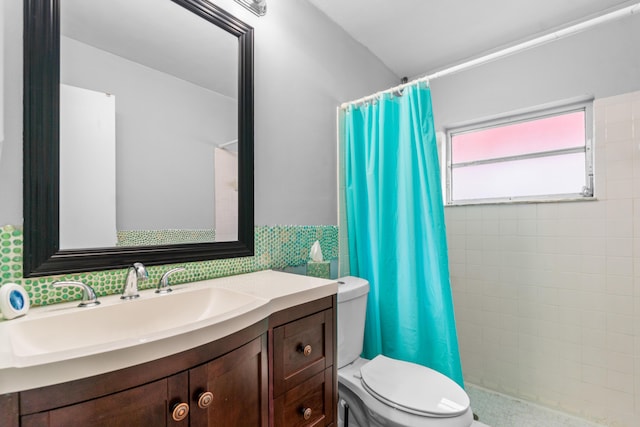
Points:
(62, 342)
(71, 331)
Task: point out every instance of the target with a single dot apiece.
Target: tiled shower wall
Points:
(276, 247)
(547, 295)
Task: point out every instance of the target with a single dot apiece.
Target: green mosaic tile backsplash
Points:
(276, 247)
(164, 237)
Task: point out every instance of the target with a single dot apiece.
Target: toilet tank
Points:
(352, 310)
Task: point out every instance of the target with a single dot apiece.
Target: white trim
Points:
(553, 109)
(522, 114)
(523, 200)
(226, 144)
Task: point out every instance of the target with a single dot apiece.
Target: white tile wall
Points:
(547, 295)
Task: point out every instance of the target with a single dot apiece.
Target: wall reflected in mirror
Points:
(148, 95)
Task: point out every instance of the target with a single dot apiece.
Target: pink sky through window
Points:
(534, 136)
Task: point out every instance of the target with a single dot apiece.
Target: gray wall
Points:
(304, 67)
(602, 62)
(11, 154)
(166, 133)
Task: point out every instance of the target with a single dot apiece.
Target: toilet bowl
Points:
(385, 391)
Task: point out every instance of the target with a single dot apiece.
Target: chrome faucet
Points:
(163, 284)
(136, 272)
(89, 298)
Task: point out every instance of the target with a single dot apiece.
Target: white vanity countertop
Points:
(80, 352)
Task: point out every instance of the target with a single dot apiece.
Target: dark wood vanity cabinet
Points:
(277, 372)
(304, 380)
(223, 383)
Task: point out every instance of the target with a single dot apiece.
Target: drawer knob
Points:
(180, 411)
(306, 413)
(305, 350)
(205, 399)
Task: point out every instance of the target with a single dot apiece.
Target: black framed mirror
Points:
(43, 254)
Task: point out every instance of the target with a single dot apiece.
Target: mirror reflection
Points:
(148, 126)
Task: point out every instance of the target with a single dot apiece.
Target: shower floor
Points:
(499, 410)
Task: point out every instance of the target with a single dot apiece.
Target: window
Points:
(541, 155)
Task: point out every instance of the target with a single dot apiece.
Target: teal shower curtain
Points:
(396, 230)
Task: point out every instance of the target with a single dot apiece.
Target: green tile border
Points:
(164, 237)
(276, 247)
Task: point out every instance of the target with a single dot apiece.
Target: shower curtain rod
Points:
(556, 35)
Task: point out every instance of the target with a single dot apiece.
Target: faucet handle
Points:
(89, 298)
(163, 284)
(141, 271)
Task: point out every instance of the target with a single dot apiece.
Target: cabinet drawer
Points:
(302, 348)
(314, 396)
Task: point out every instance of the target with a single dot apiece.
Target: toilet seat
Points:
(413, 388)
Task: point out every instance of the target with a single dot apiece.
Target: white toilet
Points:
(384, 391)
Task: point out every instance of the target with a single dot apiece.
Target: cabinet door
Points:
(143, 406)
(231, 390)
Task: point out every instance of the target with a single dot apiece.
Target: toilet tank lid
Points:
(351, 287)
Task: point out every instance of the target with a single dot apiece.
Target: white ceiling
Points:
(418, 37)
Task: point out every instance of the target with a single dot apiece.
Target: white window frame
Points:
(581, 104)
